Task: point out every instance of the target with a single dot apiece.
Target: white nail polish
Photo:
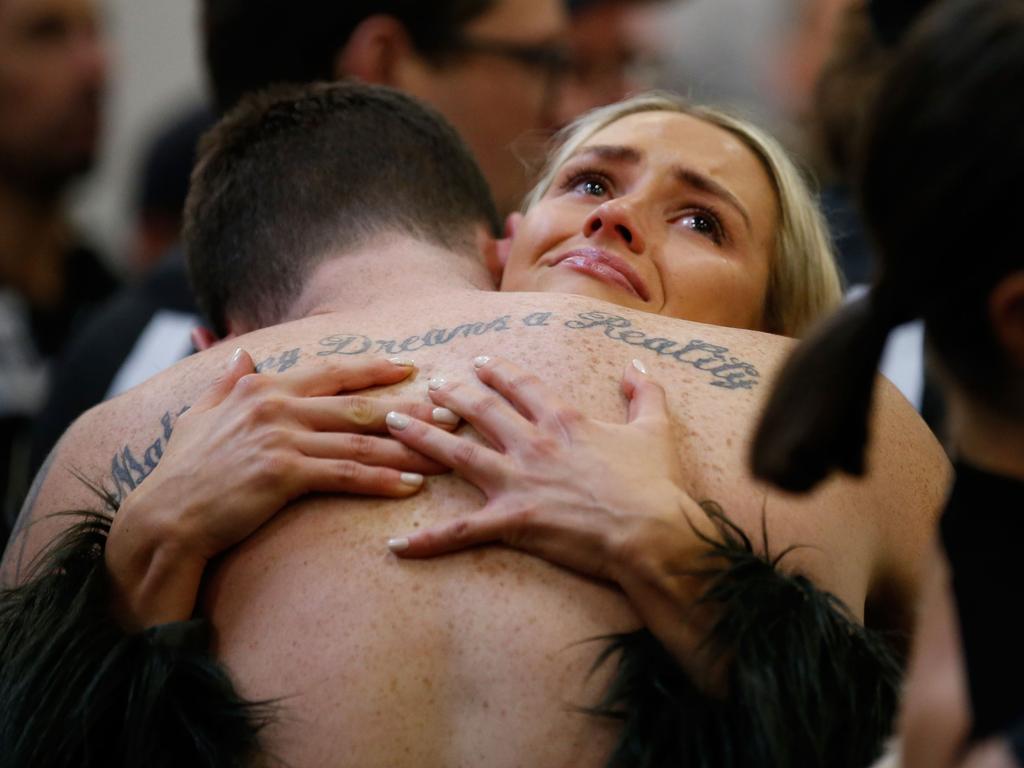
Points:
(639, 366)
(397, 420)
(398, 545)
(402, 361)
(480, 362)
(437, 382)
(415, 479)
(445, 416)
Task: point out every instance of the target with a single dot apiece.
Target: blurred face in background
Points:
(609, 57)
(500, 83)
(53, 69)
(522, 69)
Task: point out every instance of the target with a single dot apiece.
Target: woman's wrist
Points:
(660, 571)
(154, 573)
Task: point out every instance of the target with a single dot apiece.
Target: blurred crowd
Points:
(79, 326)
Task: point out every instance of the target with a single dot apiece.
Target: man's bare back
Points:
(478, 658)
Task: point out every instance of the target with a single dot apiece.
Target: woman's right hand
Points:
(247, 447)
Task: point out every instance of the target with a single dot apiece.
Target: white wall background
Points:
(155, 69)
(725, 52)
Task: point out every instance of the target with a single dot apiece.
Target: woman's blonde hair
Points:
(803, 281)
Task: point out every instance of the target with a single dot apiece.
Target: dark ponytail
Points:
(817, 416)
(939, 186)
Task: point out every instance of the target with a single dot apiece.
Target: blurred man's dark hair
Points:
(163, 184)
(251, 44)
(892, 18)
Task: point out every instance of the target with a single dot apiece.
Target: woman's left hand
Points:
(600, 498)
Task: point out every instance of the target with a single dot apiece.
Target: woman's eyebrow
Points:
(612, 152)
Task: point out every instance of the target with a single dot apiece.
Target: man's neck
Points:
(387, 269)
(33, 239)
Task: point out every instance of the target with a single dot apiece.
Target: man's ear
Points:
(203, 338)
(497, 257)
(373, 51)
(1006, 313)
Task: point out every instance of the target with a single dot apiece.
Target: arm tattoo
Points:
(129, 468)
(280, 363)
(357, 343)
(726, 371)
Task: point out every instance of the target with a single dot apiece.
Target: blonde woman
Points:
(735, 235)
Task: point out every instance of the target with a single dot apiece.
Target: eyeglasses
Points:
(553, 59)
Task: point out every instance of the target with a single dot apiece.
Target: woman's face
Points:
(658, 211)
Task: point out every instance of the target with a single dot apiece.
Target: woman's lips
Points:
(607, 268)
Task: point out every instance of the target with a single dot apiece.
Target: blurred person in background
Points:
(829, 67)
(943, 152)
(492, 67)
(497, 69)
(98, 358)
(833, 58)
(53, 72)
(612, 55)
(162, 184)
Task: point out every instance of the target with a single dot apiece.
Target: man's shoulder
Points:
(103, 455)
(57, 487)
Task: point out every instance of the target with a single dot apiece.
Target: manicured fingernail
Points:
(398, 545)
(402, 361)
(480, 362)
(639, 366)
(397, 420)
(237, 355)
(415, 479)
(437, 382)
(445, 416)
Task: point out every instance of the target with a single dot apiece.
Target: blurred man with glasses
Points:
(492, 67)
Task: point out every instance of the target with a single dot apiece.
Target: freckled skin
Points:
(472, 659)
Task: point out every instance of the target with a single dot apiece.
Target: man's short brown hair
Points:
(294, 174)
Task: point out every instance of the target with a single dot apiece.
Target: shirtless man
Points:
(471, 659)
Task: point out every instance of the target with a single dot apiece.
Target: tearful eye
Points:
(703, 224)
(592, 187)
(588, 182)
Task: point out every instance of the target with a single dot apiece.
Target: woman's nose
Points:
(614, 219)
